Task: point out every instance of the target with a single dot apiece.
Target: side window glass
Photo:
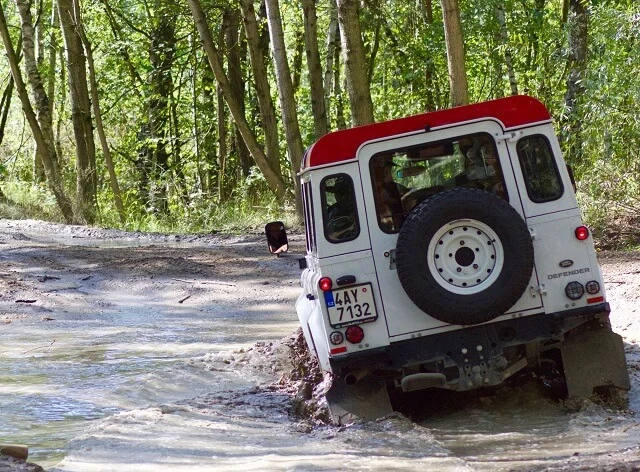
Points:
(339, 210)
(309, 224)
(539, 169)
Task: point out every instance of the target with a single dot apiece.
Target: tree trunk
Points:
(504, 38)
(299, 49)
(86, 185)
(263, 90)
(161, 54)
(5, 103)
(222, 147)
(38, 168)
(41, 128)
(427, 10)
(358, 85)
(287, 98)
(432, 89)
(320, 125)
(235, 53)
(333, 44)
(578, 25)
(273, 180)
(341, 122)
(95, 101)
(455, 53)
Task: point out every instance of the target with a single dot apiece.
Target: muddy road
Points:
(126, 351)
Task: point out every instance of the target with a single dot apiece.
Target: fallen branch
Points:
(216, 282)
(25, 301)
(45, 277)
(185, 298)
(47, 347)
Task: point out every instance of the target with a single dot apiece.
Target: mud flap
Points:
(367, 400)
(594, 358)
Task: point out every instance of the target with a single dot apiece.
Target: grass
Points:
(201, 215)
(615, 225)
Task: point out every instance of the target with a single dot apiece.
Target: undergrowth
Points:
(20, 200)
(610, 207)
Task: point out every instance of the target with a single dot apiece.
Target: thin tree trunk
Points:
(7, 95)
(116, 30)
(38, 168)
(320, 125)
(578, 25)
(61, 110)
(5, 105)
(287, 97)
(222, 147)
(432, 90)
(504, 38)
(194, 105)
(95, 101)
(263, 90)
(455, 52)
(333, 43)
(86, 182)
(427, 10)
(161, 55)
(234, 47)
(51, 84)
(341, 122)
(42, 133)
(358, 85)
(273, 180)
(296, 72)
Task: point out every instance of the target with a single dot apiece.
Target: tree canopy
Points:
(200, 107)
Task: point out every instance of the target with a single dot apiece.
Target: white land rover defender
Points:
(446, 250)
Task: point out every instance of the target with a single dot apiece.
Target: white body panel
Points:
(369, 257)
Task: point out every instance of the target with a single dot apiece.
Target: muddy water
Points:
(135, 385)
(60, 375)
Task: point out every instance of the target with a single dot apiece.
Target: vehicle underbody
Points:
(574, 350)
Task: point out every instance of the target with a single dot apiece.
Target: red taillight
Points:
(354, 334)
(325, 284)
(582, 233)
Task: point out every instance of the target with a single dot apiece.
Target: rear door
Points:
(443, 165)
(552, 213)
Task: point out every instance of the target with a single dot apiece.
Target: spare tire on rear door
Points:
(464, 256)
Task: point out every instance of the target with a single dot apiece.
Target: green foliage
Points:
(28, 201)
(406, 46)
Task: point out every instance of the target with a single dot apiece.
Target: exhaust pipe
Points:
(352, 378)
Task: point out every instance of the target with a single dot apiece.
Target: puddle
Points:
(127, 378)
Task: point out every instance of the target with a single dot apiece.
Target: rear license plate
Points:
(351, 305)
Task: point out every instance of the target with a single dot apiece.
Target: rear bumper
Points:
(471, 345)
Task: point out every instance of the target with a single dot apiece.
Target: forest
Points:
(194, 115)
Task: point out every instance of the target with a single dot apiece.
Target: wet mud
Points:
(127, 352)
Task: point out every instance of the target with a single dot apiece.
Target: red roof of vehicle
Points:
(342, 145)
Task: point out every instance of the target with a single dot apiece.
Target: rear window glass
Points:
(339, 210)
(539, 169)
(402, 178)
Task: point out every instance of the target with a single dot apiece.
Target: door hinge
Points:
(541, 289)
(532, 232)
(511, 137)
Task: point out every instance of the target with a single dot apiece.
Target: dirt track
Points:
(50, 272)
